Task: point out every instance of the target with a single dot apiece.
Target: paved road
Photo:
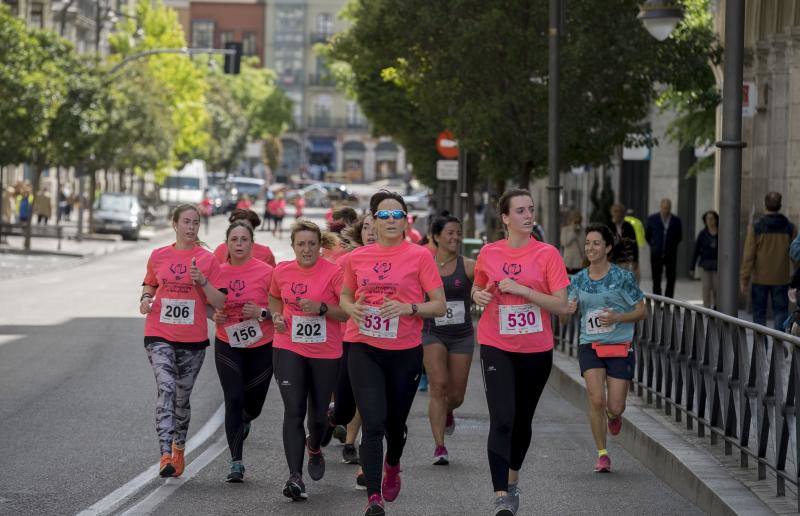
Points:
(76, 408)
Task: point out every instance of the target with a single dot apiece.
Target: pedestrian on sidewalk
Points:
(664, 232)
(626, 251)
(43, 206)
(766, 266)
(571, 243)
(9, 205)
(705, 252)
(24, 202)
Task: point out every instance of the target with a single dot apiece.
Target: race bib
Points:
(308, 329)
(593, 326)
(376, 326)
(244, 334)
(177, 311)
(455, 314)
(520, 319)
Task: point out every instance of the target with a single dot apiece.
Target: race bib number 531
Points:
(376, 326)
(177, 311)
(520, 319)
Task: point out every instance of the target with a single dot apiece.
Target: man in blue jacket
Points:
(663, 232)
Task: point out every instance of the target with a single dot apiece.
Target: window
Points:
(324, 24)
(289, 18)
(37, 15)
(249, 44)
(202, 34)
(225, 37)
(355, 118)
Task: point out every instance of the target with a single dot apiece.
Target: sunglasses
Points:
(385, 214)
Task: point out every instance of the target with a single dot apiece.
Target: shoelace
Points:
(375, 500)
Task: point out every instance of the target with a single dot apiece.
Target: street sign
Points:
(446, 145)
(447, 170)
(749, 99)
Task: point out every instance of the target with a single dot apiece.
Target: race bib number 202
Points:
(520, 319)
(310, 330)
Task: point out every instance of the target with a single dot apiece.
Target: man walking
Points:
(664, 232)
(766, 266)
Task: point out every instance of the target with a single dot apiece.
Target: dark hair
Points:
(176, 215)
(305, 225)
(346, 214)
(380, 196)
(239, 224)
(605, 232)
(504, 204)
(438, 226)
(247, 215)
(772, 201)
(336, 226)
(352, 234)
(710, 212)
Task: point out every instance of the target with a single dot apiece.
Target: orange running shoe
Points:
(165, 467)
(177, 459)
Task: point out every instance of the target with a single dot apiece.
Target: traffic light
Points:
(233, 62)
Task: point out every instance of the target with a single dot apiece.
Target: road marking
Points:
(117, 497)
(5, 339)
(162, 492)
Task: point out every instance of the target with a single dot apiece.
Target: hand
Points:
(357, 311)
(609, 317)
(219, 316)
(308, 306)
(509, 286)
(482, 297)
(145, 305)
(279, 322)
(392, 308)
(251, 310)
(197, 276)
(743, 284)
(572, 306)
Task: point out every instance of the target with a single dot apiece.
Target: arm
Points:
(435, 307)
(749, 257)
(146, 299)
(555, 303)
(794, 250)
(648, 231)
(335, 312)
(215, 297)
(610, 317)
(698, 247)
(354, 309)
(276, 308)
(469, 267)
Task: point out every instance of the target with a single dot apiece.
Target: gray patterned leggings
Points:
(175, 370)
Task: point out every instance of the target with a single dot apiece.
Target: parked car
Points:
(118, 213)
(321, 195)
(217, 196)
(238, 186)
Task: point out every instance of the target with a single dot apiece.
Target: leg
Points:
(670, 262)
(458, 366)
(715, 288)
(369, 388)
(596, 388)
(188, 363)
(530, 378)
(498, 379)
(229, 369)
(257, 376)
(352, 428)
(321, 385)
(403, 370)
(435, 358)
(656, 264)
(162, 359)
(758, 296)
(780, 305)
(345, 407)
(291, 373)
(617, 394)
(706, 276)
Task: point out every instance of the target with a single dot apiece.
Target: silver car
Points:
(118, 213)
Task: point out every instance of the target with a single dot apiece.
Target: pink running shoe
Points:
(390, 487)
(614, 424)
(603, 464)
(450, 424)
(440, 457)
(374, 506)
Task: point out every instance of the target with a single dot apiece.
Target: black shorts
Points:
(621, 368)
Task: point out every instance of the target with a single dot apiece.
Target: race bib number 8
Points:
(520, 319)
(244, 334)
(177, 311)
(309, 329)
(593, 325)
(455, 314)
(376, 326)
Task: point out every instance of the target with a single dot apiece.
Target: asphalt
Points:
(76, 423)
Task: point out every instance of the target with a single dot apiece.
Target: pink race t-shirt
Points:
(260, 252)
(511, 322)
(178, 312)
(247, 282)
(309, 335)
(404, 273)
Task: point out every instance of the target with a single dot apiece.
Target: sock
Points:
(602, 452)
(609, 415)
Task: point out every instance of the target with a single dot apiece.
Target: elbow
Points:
(439, 308)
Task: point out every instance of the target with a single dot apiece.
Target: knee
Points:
(456, 399)
(437, 388)
(597, 402)
(616, 407)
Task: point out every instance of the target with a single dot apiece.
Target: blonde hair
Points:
(176, 215)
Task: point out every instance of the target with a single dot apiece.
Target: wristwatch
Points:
(414, 309)
(323, 309)
(264, 315)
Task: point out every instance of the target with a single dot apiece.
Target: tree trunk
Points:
(122, 185)
(469, 187)
(37, 173)
(525, 175)
(92, 188)
(57, 195)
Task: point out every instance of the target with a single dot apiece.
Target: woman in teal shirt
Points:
(610, 303)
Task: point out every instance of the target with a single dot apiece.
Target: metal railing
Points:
(735, 381)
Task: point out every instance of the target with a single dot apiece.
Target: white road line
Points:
(117, 497)
(162, 492)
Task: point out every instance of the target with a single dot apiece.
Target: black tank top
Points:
(457, 322)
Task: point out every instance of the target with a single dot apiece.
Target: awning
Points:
(321, 146)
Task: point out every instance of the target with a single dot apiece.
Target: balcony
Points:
(325, 80)
(328, 122)
(320, 37)
(290, 79)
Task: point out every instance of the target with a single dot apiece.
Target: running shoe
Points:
(349, 454)
(340, 433)
(294, 488)
(423, 383)
(503, 506)
(326, 437)
(375, 506)
(603, 464)
(440, 457)
(450, 424)
(178, 460)
(316, 464)
(361, 481)
(614, 424)
(513, 493)
(165, 467)
(236, 476)
(390, 487)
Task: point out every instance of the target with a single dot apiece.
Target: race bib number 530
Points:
(520, 319)
(376, 326)
(177, 311)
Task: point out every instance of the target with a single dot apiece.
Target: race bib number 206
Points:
(520, 319)
(177, 311)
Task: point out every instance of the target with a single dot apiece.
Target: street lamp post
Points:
(553, 142)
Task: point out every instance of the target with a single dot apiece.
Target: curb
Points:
(691, 471)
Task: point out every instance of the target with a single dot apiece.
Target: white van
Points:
(186, 185)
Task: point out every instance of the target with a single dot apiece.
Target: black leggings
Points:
(343, 395)
(514, 383)
(245, 374)
(302, 381)
(384, 383)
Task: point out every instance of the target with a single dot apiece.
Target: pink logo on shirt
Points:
(512, 269)
(298, 289)
(457, 283)
(382, 269)
(236, 286)
(178, 269)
